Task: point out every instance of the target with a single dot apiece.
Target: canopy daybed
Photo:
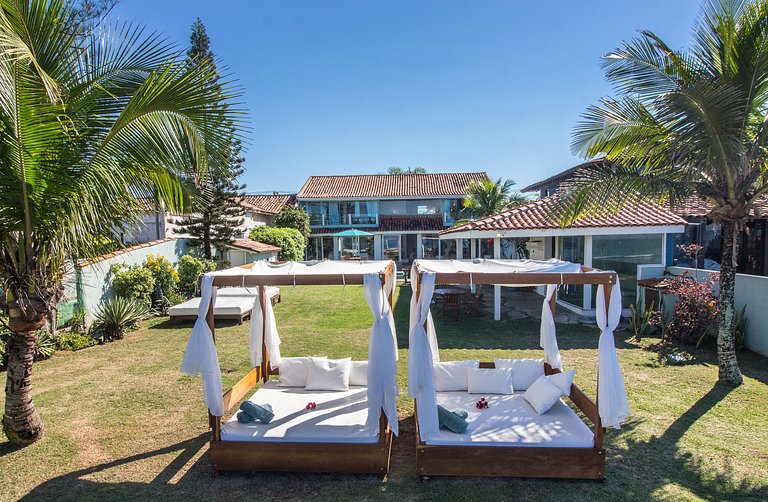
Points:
(510, 438)
(231, 303)
(350, 431)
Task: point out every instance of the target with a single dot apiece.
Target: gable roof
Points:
(564, 175)
(270, 204)
(388, 185)
(541, 215)
(695, 207)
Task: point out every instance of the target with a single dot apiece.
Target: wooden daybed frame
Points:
(234, 317)
(520, 461)
(325, 457)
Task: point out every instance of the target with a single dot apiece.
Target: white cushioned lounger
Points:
(227, 305)
(340, 417)
(510, 421)
(251, 292)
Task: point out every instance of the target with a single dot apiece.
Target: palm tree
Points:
(686, 123)
(89, 124)
(488, 197)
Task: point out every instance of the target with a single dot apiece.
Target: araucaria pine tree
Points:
(216, 215)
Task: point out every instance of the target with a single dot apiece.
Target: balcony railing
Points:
(322, 220)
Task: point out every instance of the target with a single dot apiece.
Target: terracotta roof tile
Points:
(564, 175)
(388, 185)
(255, 246)
(541, 215)
(97, 259)
(694, 207)
(394, 224)
(271, 204)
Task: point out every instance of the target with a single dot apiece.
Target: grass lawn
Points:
(123, 423)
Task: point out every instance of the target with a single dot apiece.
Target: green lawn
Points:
(122, 422)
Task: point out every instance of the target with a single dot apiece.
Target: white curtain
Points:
(271, 336)
(382, 354)
(548, 333)
(200, 356)
(421, 379)
(612, 396)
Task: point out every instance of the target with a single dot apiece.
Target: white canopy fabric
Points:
(482, 266)
(200, 358)
(382, 354)
(422, 352)
(548, 333)
(271, 336)
(325, 267)
(612, 396)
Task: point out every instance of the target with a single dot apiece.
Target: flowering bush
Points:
(166, 291)
(190, 269)
(695, 311)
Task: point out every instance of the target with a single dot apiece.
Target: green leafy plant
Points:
(117, 316)
(289, 240)
(293, 217)
(134, 282)
(166, 290)
(77, 321)
(640, 319)
(190, 268)
(74, 340)
(45, 345)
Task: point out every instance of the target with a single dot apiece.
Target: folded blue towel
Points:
(261, 412)
(453, 421)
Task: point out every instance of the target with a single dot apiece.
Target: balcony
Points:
(323, 220)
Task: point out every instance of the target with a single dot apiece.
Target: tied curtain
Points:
(422, 354)
(612, 396)
(548, 333)
(200, 358)
(382, 353)
(269, 328)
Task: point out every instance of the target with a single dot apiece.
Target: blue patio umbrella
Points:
(352, 232)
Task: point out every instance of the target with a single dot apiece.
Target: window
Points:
(424, 207)
(572, 249)
(390, 247)
(623, 253)
(448, 249)
(429, 247)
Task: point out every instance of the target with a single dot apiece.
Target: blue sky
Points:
(348, 87)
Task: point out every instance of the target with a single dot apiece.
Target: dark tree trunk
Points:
(21, 422)
(726, 347)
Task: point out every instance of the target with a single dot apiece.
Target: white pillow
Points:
(489, 381)
(563, 380)
(293, 371)
(329, 374)
(524, 371)
(452, 375)
(542, 395)
(358, 375)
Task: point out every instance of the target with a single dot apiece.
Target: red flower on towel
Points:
(481, 404)
(311, 406)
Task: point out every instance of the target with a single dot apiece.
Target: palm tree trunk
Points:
(21, 422)
(726, 347)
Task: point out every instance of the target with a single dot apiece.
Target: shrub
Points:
(117, 316)
(640, 318)
(695, 311)
(74, 340)
(77, 321)
(190, 268)
(45, 345)
(293, 217)
(289, 240)
(134, 282)
(166, 291)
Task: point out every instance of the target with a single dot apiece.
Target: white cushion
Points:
(293, 371)
(524, 371)
(358, 374)
(452, 375)
(563, 380)
(489, 381)
(542, 395)
(329, 374)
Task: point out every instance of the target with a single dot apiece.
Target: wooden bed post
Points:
(213, 422)
(264, 354)
(599, 429)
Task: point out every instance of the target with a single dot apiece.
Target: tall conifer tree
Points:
(216, 216)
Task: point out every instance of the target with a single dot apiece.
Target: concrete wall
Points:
(751, 290)
(87, 287)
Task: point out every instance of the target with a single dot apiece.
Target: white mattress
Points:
(340, 417)
(229, 301)
(227, 305)
(250, 292)
(510, 421)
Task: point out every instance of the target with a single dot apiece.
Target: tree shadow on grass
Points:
(188, 323)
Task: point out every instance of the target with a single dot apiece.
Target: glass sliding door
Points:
(390, 247)
(571, 249)
(623, 253)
